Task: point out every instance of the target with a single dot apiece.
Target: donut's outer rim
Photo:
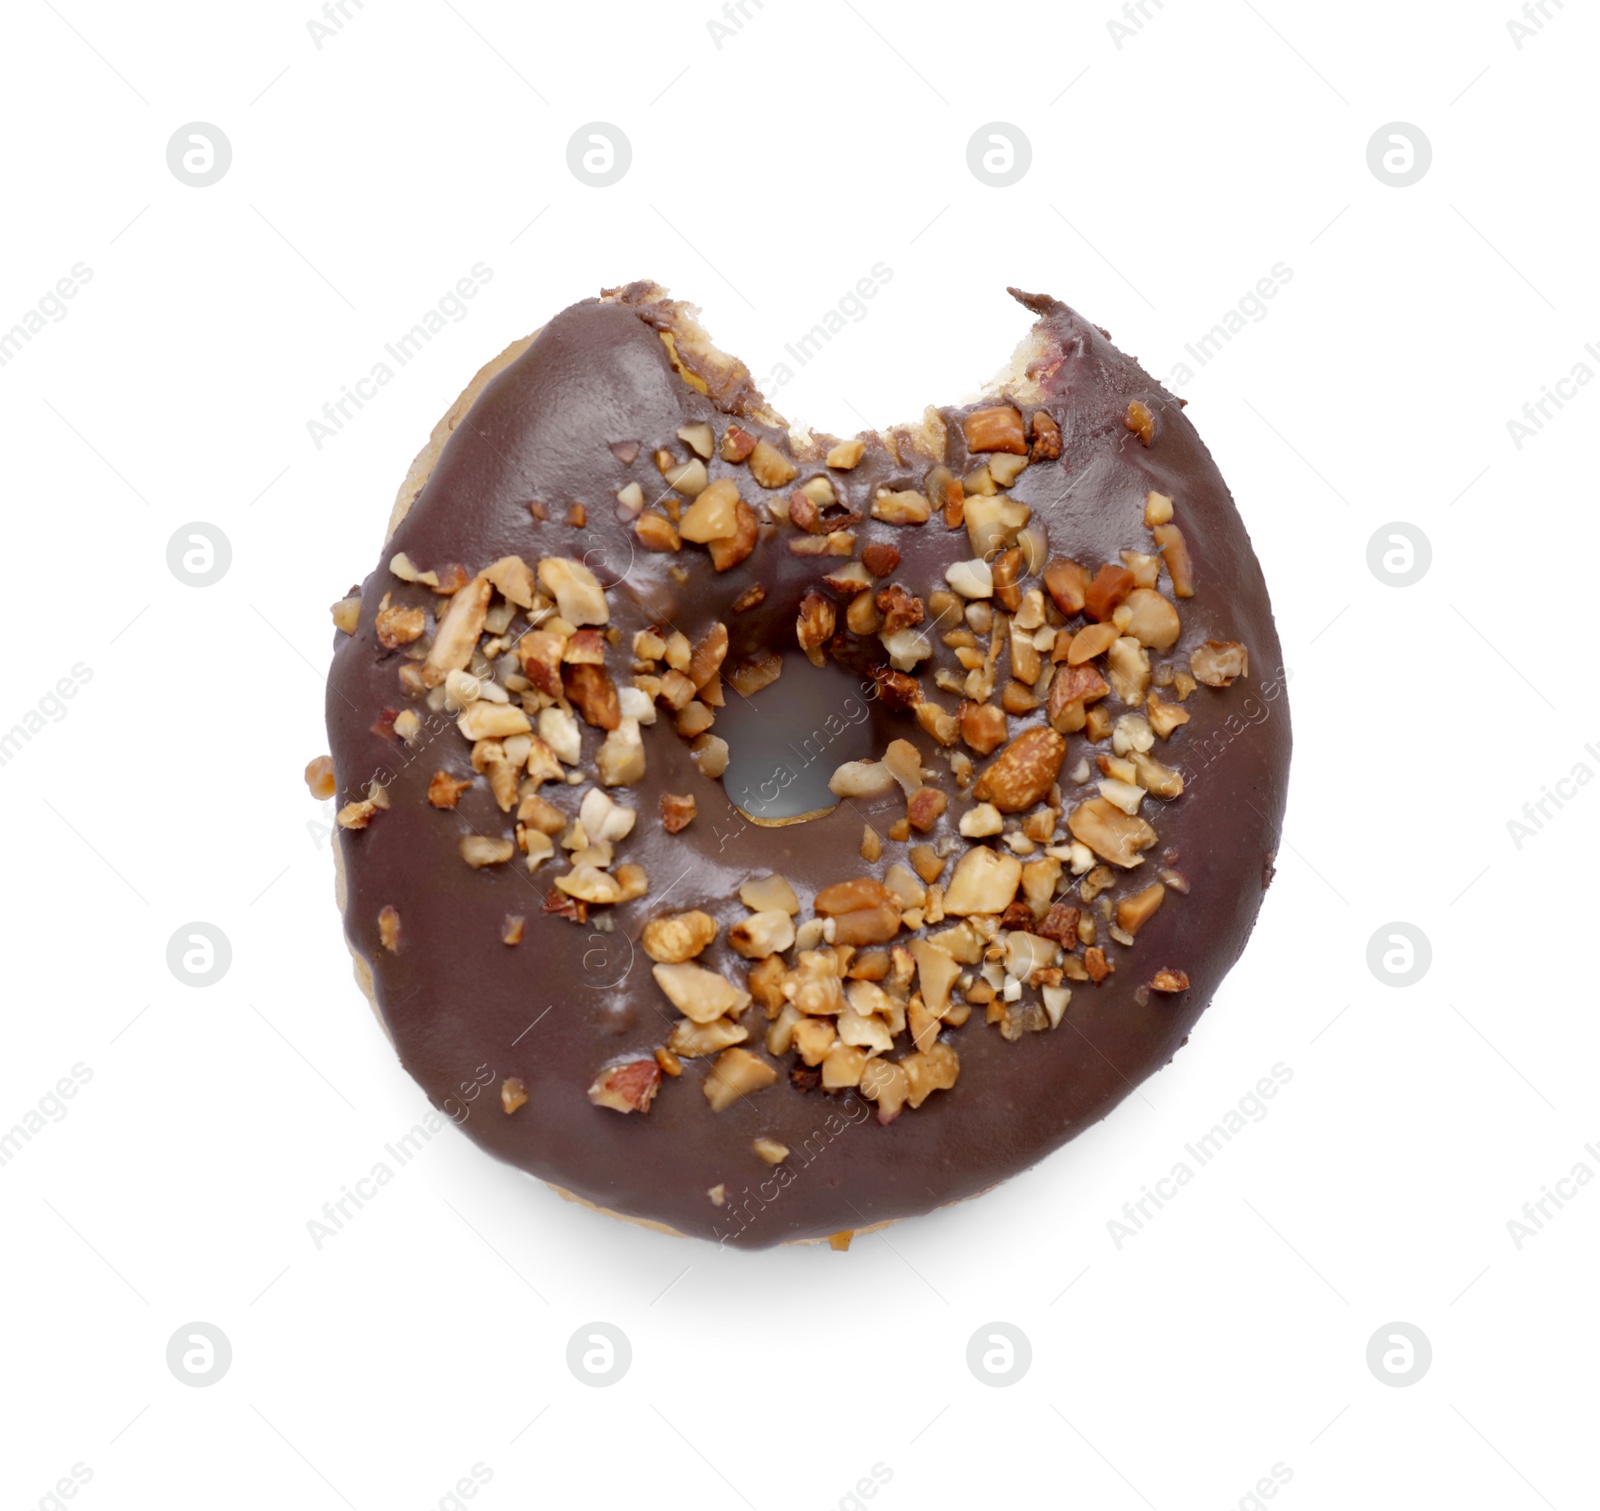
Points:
(415, 479)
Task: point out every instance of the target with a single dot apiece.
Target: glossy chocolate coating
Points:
(458, 1002)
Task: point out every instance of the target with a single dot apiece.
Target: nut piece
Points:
(677, 813)
(478, 850)
(930, 1070)
(319, 777)
(770, 1149)
(347, 614)
(864, 911)
(458, 632)
(736, 1074)
(737, 444)
(1169, 980)
(1134, 912)
(713, 514)
(815, 626)
(1175, 552)
(1164, 717)
(1066, 582)
(985, 881)
(579, 597)
(769, 892)
(678, 936)
(846, 455)
(630, 1087)
(1046, 437)
(1023, 772)
(770, 467)
(996, 429)
(1153, 621)
(1141, 420)
(1157, 509)
(389, 929)
(398, 626)
(766, 933)
(513, 1093)
(903, 507)
(983, 726)
(1112, 834)
(924, 807)
(1218, 662)
(698, 993)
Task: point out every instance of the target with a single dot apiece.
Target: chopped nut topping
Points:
(712, 515)
(1141, 421)
(996, 429)
(985, 881)
(1134, 912)
(815, 626)
(1067, 583)
(930, 1070)
(770, 467)
(737, 444)
(1175, 552)
(698, 993)
(846, 455)
(480, 850)
(871, 845)
(347, 614)
(319, 777)
(698, 437)
(1218, 662)
(879, 558)
(389, 929)
(677, 813)
(398, 626)
(1046, 437)
(1157, 509)
(627, 1088)
(458, 632)
(1023, 772)
(864, 911)
(511, 928)
(924, 808)
(983, 726)
(656, 532)
(356, 815)
(736, 1073)
(1169, 980)
(1116, 836)
(577, 592)
(678, 937)
(758, 670)
(903, 507)
(765, 893)
(762, 934)
(699, 1040)
(1111, 585)
(771, 1150)
(993, 524)
(513, 1094)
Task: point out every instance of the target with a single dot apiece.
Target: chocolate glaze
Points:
(458, 1002)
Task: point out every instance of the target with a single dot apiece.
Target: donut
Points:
(608, 964)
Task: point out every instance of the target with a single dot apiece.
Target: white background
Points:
(768, 174)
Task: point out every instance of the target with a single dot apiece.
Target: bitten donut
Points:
(600, 962)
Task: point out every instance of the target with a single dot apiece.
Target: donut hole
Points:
(787, 740)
